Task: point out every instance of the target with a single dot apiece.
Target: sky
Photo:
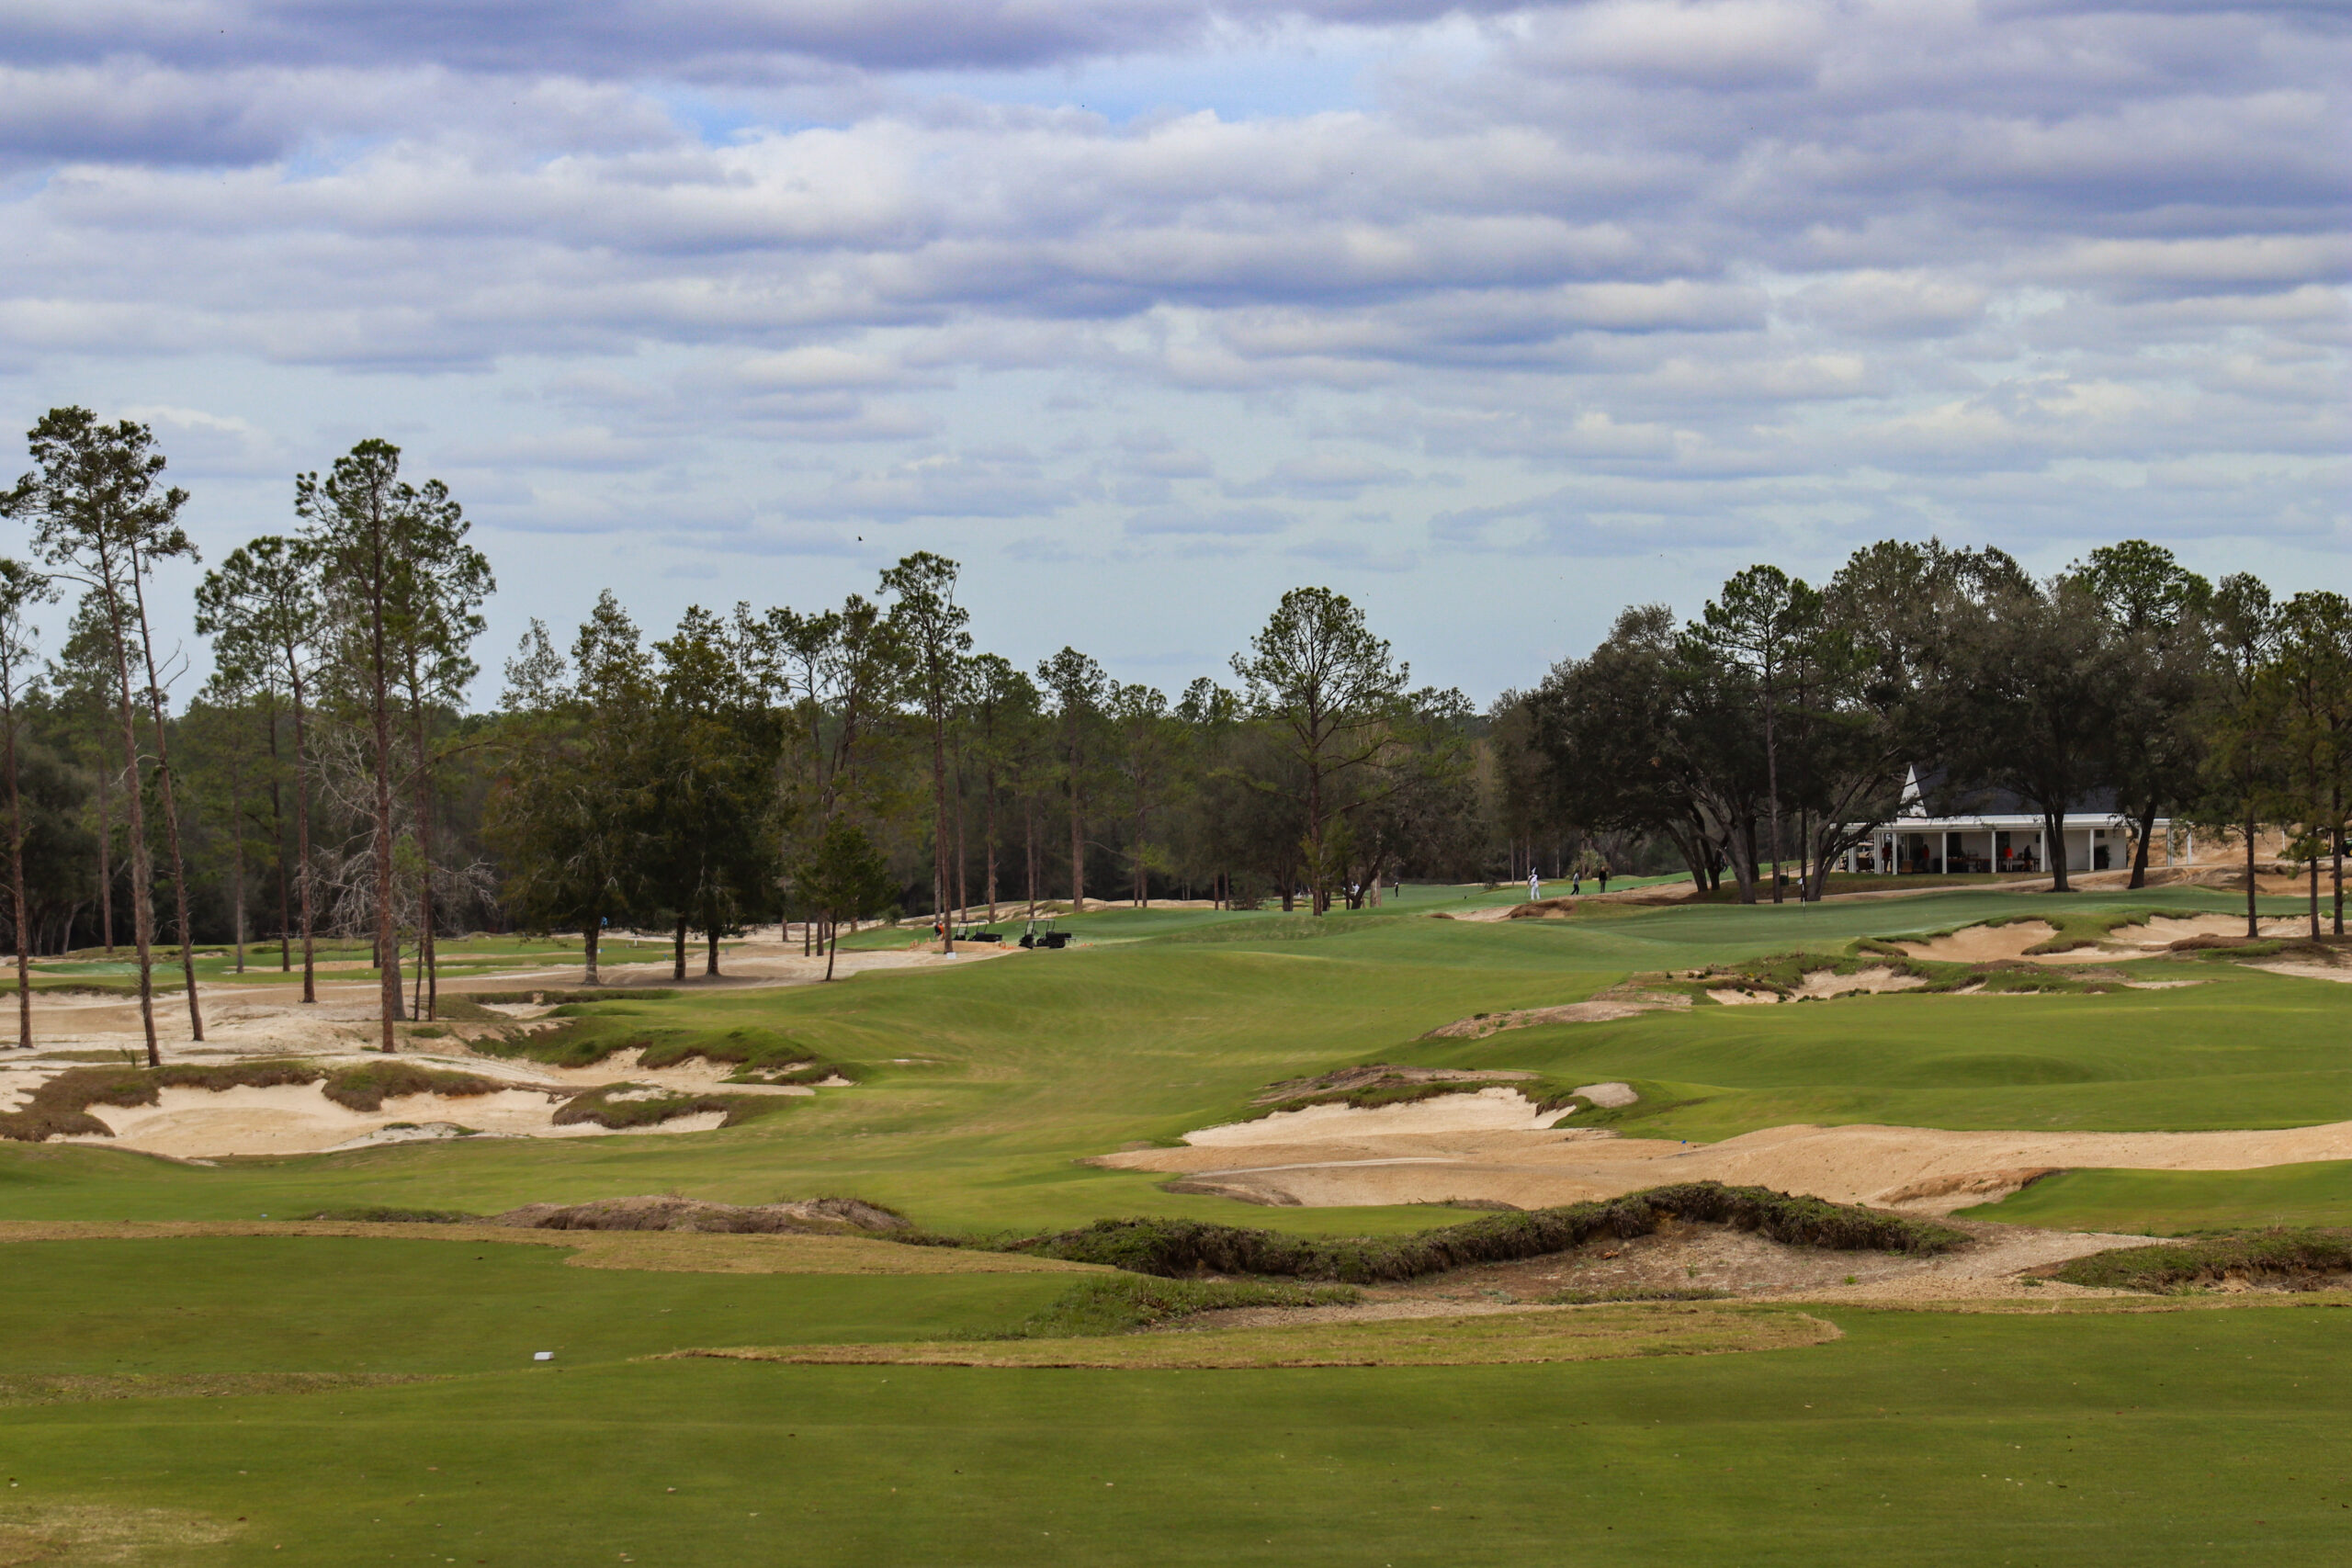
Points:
(1494, 317)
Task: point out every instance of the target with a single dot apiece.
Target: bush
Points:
(2284, 1259)
(1174, 1249)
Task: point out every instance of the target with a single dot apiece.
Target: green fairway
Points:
(2171, 1203)
(979, 1086)
(2158, 1438)
(2152, 1438)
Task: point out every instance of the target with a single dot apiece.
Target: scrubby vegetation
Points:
(1121, 1304)
(60, 1106)
(2280, 1259)
(1635, 1293)
(1174, 1249)
(387, 1215)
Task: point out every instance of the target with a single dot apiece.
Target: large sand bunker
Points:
(285, 1119)
(1380, 1156)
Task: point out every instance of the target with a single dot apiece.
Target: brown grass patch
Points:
(684, 1252)
(35, 1388)
(71, 1533)
(1560, 1334)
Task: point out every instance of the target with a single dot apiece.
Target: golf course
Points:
(332, 1357)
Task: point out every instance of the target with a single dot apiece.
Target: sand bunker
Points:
(1353, 1158)
(1485, 1110)
(2005, 944)
(1601, 1009)
(1821, 984)
(291, 1119)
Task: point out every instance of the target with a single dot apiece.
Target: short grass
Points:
(2181, 1202)
(1565, 1333)
(220, 1304)
(2131, 1440)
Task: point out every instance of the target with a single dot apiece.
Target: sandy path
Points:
(1356, 1156)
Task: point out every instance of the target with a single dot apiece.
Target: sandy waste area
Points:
(1482, 1147)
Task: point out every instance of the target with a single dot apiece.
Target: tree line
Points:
(1775, 731)
(827, 765)
(818, 765)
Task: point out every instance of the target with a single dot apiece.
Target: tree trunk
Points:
(237, 861)
(833, 941)
(2139, 854)
(2339, 872)
(2253, 920)
(710, 950)
(106, 866)
(426, 950)
(2054, 824)
(1077, 835)
(17, 876)
(142, 908)
(678, 968)
(588, 936)
(2314, 898)
(987, 826)
(171, 812)
(303, 848)
(278, 841)
(388, 944)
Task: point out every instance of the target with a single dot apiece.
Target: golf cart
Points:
(1041, 933)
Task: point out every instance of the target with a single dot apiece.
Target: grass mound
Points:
(622, 1105)
(1174, 1249)
(2281, 1260)
(1121, 1304)
(61, 1106)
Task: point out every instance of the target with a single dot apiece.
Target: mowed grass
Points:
(344, 1304)
(2178, 1203)
(982, 1087)
(2157, 1438)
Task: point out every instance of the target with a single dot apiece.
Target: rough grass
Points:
(1589, 1333)
(1121, 1304)
(387, 1215)
(60, 1106)
(81, 1388)
(1174, 1249)
(1635, 1293)
(2281, 1260)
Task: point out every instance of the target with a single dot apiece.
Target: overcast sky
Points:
(1492, 317)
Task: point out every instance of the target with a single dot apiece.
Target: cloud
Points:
(1644, 278)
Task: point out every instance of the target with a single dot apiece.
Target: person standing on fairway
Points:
(1534, 885)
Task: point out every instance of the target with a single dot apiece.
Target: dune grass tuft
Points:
(2284, 1260)
(1175, 1249)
